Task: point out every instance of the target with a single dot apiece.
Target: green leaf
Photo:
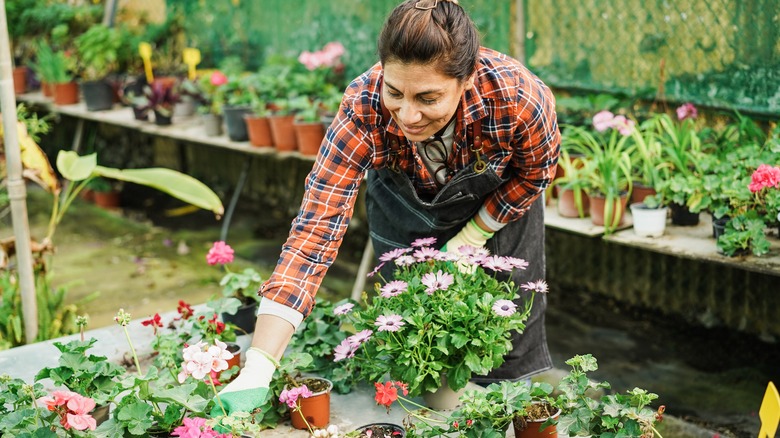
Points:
(182, 395)
(174, 183)
(75, 167)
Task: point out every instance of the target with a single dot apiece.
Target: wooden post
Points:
(518, 40)
(16, 186)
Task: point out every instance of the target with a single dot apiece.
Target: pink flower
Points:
(405, 260)
(343, 309)
(504, 308)
(80, 421)
(393, 288)
(360, 337)
(539, 286)
(393, 254)
(81, 405)
(426, 253)
(623, 125)
(438, 281)
(218, 78)
(391, 323)
(603, 120)
(220, 253)
(765, 176)
(334, 49)
(517, 263)
(344, 350)
(290, 396)
(497, 263)
(425, 241)
(197, 428)
(687, 111)
(57, 398)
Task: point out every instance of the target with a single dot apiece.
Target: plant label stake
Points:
(191, 58)
(145, 50)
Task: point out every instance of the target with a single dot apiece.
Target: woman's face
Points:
(420, 98)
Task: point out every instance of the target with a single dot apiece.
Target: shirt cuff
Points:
(489, 221)
(270, 307)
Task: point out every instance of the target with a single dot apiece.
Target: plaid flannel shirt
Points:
(517, 113)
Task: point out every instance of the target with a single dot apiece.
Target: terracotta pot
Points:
(531, 428)
(259, 131)
(597, 204)
(443, 398)
(66, 93)
(108, 200)
(567, 207)
(87, 195)
(235, 361)
(640, 192)
(309, 137)
(47, 89)
(283, 132)
(316, 409)
(20, 80)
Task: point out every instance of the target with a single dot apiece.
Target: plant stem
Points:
(132, 349)
(298, 409)
(216, 395)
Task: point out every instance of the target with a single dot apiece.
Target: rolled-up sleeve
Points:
(327, 207)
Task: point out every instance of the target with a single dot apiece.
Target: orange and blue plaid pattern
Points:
(522, 143)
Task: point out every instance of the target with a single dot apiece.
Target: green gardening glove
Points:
(249, 390)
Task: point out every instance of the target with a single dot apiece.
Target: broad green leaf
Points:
(174, 183)
(75, 167)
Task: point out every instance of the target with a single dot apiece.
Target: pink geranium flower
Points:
(687, 111)
(765, 176)
(218, 78)
(603, 120)
(220, 253)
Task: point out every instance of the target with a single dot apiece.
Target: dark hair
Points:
(444, 35)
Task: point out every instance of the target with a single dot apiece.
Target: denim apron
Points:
(397, 215)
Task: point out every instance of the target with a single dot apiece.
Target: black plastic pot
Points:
(681, 215)
(244, 319)
(719, 226)
(98, 95)
(162, 119)
(235, 123)
(389, 427)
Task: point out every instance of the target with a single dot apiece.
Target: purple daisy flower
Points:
(343, 309)
(405, 260)
(517, 262)
(391, 323)
(438, 281)
(393, 254)
(344, 350)
(536, 286)
(395, 287)
(360, 337)
(376, 269)
(504, 308)
(425, 241)
(424, 254)
(497, 263)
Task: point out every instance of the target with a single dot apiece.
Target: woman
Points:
(456, 141)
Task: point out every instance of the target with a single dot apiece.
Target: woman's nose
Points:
(409, 114)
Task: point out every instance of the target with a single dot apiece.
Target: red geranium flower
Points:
(155, 322)
(185, 310)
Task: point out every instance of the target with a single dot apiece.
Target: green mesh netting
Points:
(253, 29)
(720, 53)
